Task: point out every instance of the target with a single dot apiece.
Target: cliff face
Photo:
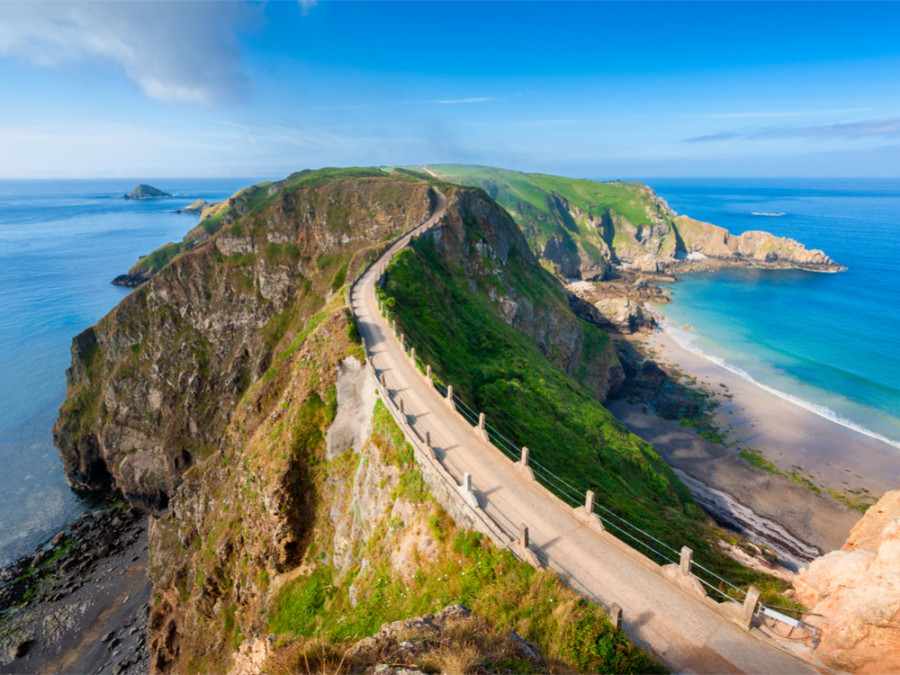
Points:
(586, 230)
(857, 593)
(489, 251)
(153, 385)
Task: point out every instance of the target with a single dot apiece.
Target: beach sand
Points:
(781, 512)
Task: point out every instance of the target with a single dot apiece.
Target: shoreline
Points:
(786, 433)
(787, 507)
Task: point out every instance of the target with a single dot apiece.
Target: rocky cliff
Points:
(854, 594)
(227, 395)
(587, 230)
(153, 385)
(482, 243)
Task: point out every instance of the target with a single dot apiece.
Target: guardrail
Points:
(504, 531)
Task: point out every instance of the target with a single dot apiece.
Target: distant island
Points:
(143, 191)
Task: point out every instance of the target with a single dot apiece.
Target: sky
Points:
(594, 89)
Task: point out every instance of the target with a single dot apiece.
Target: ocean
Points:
(61, 243)
(827, 342)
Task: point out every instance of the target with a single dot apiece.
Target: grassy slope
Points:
(463, 568)
(529, 197)
(501, 373)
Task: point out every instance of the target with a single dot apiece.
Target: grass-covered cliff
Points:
(226, 394)
(585, 229)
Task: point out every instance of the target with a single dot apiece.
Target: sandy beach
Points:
(788, 435)
(774, 509)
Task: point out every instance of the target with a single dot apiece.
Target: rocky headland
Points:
(226, 397)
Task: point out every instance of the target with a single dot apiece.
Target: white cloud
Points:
(184, 51)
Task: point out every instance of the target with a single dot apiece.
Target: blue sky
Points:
(603, 90)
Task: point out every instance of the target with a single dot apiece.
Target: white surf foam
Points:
(686, 341)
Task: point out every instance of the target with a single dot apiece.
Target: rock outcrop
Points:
(857, 593)
(144, 191)
(155, 382)
(488, 247)
(197, 207)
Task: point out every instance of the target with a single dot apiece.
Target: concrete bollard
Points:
(381, 379)
(428, 373)
(523, 536)
(526, 455)
(615, 616)
(687, 560)
(467, 482)
(449, 398)
(403, 340)
(365, 349)
(589, 501)
(412, 354)
(428, 440)
(749, 608)
(481, 422)
(402, 410)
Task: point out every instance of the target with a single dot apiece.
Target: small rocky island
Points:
(196, 207)
(144, 191)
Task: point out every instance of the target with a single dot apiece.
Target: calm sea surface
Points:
(61, 242)
(826, 341)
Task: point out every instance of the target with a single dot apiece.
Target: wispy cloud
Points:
(173, 51)
(877, 128)
(782, 113)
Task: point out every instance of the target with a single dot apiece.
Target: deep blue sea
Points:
(829, 342)
(61, 243)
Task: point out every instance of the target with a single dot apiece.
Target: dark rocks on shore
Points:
(90, 577)
(130, 280)
(144, 191)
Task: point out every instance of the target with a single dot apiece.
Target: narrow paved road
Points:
(686, 632)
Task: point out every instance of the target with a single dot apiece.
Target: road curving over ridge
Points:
(686, 632)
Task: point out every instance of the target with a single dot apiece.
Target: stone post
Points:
(365, 349)
(523, 536)
(428, 374)
(402, 411)
(481, 422)
(749, 608)
(467, 482)
(450, 401)
(615, 616)
(526, 454)
(687, 559)
(589, 501)
(412, 354)
(403, 340)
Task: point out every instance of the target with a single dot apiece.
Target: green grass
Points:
(500, 372)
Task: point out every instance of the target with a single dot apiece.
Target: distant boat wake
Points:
(765, 213)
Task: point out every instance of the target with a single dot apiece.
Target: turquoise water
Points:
(828, 342)
(61, 242)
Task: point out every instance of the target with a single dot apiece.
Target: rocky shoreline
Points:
(80, 603)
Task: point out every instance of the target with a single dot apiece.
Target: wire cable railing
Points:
(642, 540)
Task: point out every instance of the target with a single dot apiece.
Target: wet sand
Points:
(787, 434)
(769, 508)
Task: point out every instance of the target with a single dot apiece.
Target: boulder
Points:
(857, 593)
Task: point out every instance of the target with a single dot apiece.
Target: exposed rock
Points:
(154, 383)
(196, 207)
(144, 191)
(857, 592)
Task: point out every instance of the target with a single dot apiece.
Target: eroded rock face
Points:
(154, 383)
(487, 244)
(857, 592)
